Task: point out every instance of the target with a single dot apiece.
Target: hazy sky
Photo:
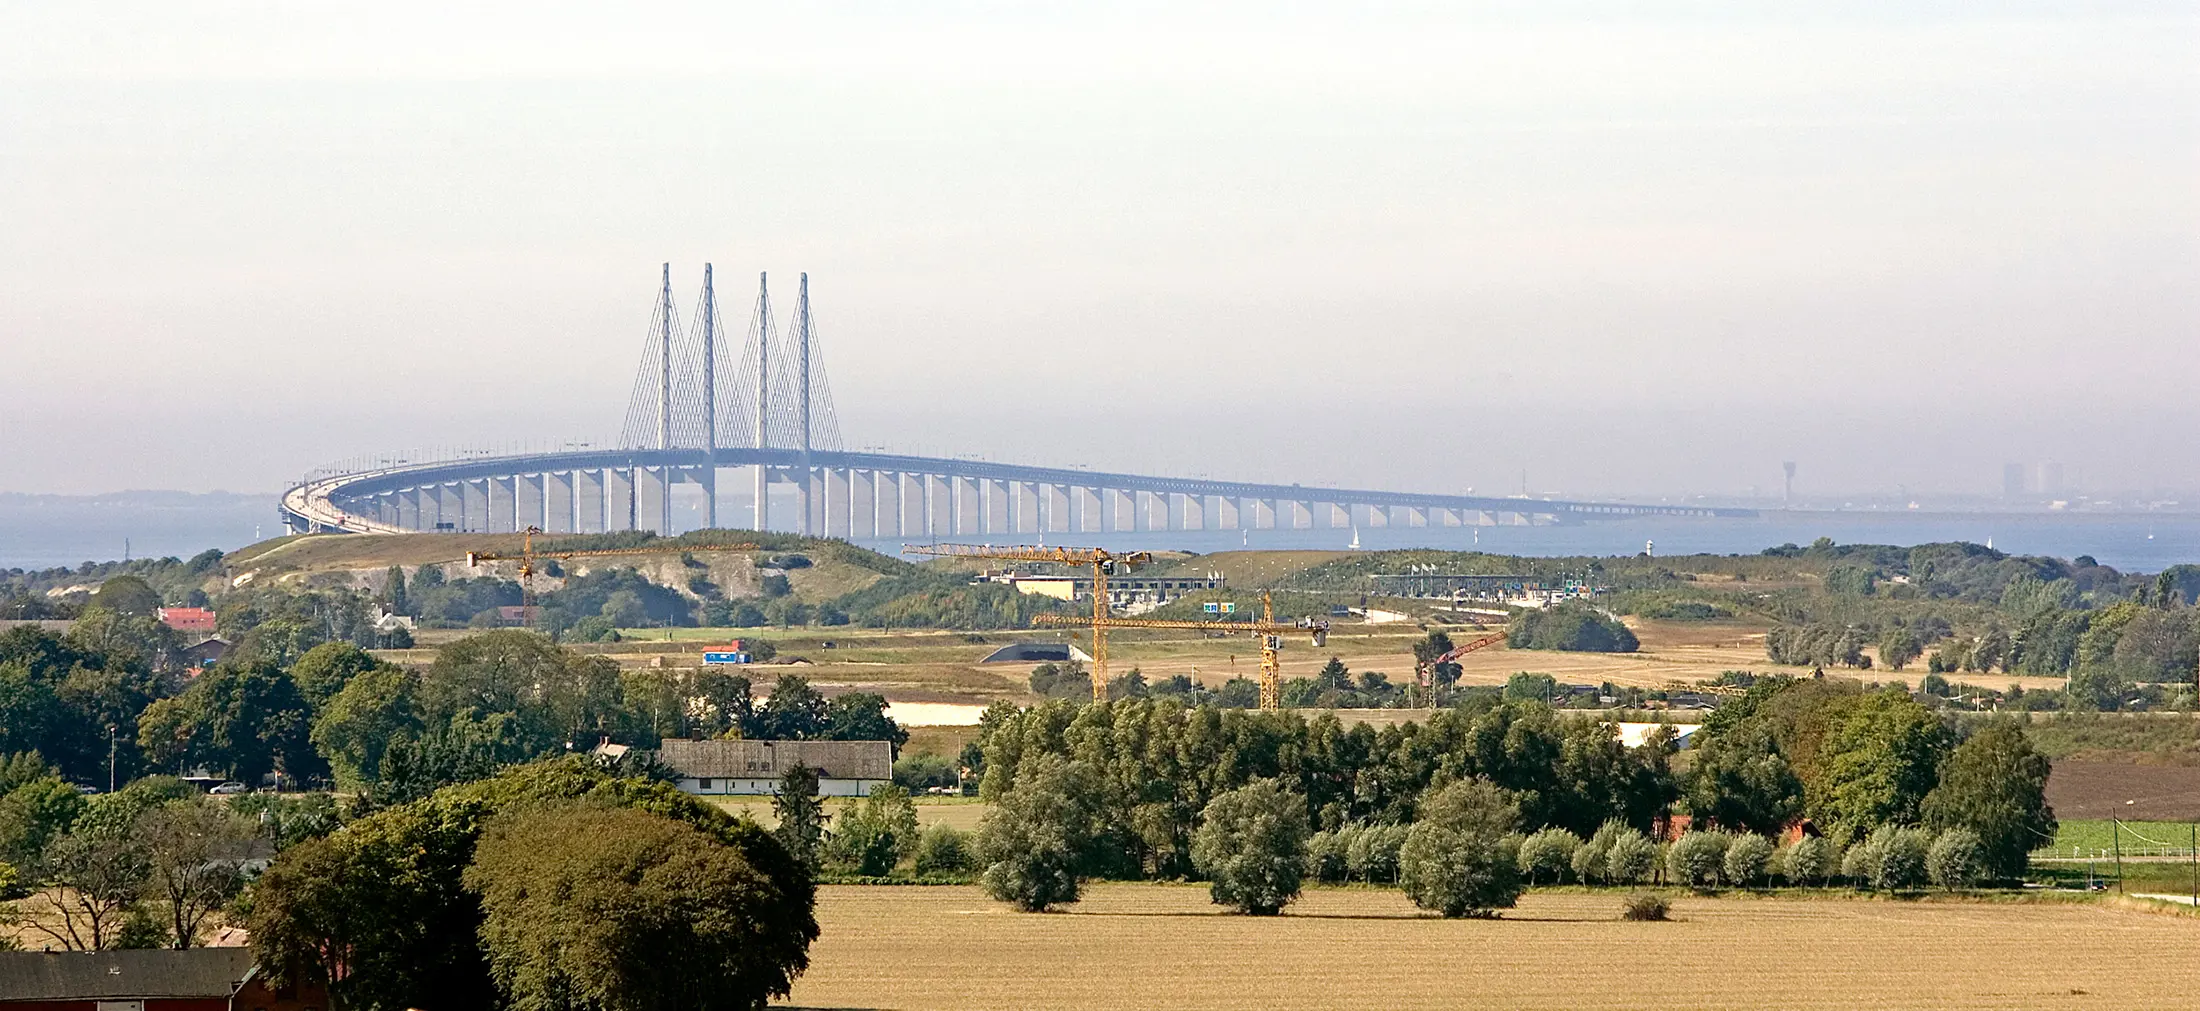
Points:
(1621, 246)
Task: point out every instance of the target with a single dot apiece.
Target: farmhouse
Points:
(844, 768)
(198, 979)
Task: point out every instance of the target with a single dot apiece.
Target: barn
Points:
(155, 979)
(844, 768)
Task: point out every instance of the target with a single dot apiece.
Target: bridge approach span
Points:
(865, 495)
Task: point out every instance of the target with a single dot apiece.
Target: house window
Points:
(703, 784)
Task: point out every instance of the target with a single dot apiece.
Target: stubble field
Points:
(1164, 946)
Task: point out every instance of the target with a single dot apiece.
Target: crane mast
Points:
(1103, 563)
(1270, 631)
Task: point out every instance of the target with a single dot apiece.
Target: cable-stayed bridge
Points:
(762, 408)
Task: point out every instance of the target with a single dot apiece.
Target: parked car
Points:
(227, 788)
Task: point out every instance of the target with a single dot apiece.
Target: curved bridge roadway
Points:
(874, 495)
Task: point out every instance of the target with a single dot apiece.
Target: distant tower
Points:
(710, 402)
(664, 407)
(1787, 490)
(802, 402)
(2012, 481)
(763, 397)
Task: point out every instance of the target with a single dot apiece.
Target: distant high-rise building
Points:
(2012, 480)
(1787, 490)
(2051, 479)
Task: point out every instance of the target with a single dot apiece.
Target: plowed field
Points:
(1164, 946)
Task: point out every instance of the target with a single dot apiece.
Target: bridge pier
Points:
(839, 516)
(530, 502)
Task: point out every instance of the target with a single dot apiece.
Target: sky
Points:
(1578, 247)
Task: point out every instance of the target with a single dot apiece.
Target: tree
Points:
(1697, 858)
(503, 671)
(1460, 858)
(1747, 858)
(29, 709)
(1896, 857)
(1251, 845)
(245, 718)
(622, 910)
(625, 609)
(194, 851)
(32, 814)
(127, 595)
(1335, 676)
(1630, 859)
(1546, 855)
(358, 725)
(1898, 647)
(1955, 859)
(325, 669)
(380, 912)
(1742, 782)
(728, 701)
(95, 879)
(861, 716)
(1371, 854)
(1034, 839)
(801, 815)
(393, 590)
(874, 835)
(1589, 858)
(1995, 785)
(1808, 859)
(1879, 760)
(795, 711)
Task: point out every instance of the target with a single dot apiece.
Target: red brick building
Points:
(200, 979)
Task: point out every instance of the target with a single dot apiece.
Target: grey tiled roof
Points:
(88, 975)
(767, 759)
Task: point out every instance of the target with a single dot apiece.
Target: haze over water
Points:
(37, 533)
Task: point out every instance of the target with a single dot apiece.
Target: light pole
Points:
(110, 758)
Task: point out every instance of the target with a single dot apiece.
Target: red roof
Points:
(187, 619)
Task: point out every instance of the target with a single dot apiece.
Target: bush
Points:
(1251, 845)
(1646, 907)
(1461, 858)
(1955, 859)
(1372, 853)
(943, 849)
(1899, 857)
(1747, 857)
(1696, 858)
(1630, 858)
(1810, 859)
(875, 834)
(1548, 853)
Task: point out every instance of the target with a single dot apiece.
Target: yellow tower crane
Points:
(528, 554)
(1104, 563)
(1271, 642)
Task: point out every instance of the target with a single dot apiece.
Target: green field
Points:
(2138, 838)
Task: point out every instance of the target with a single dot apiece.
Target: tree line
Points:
(1128, 789)
(100, 704)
